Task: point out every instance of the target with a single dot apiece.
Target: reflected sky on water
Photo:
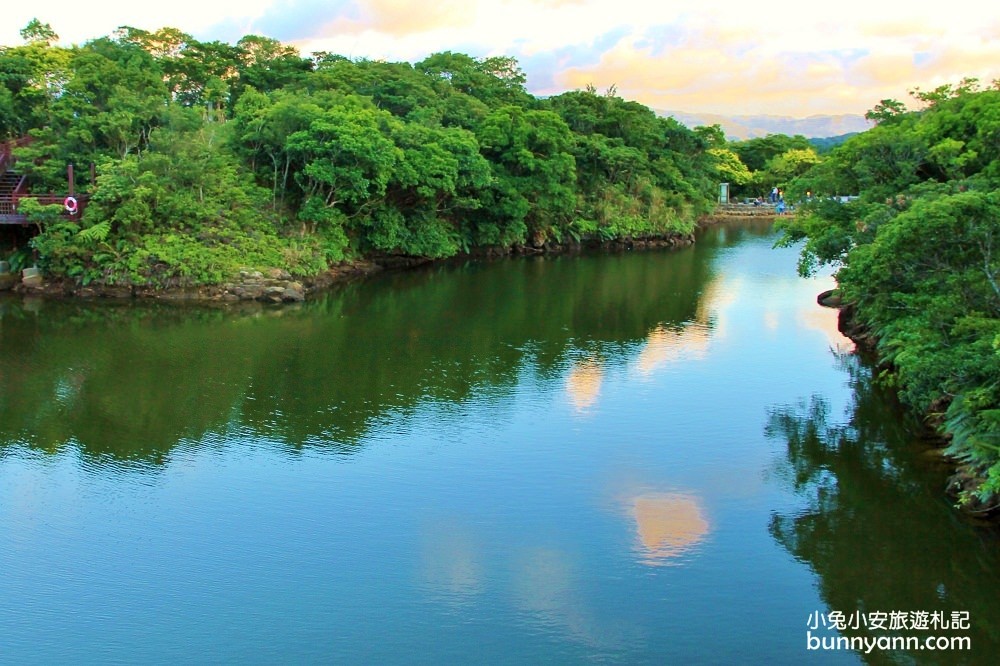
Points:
(627, 458)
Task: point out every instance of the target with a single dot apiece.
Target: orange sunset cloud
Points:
(710, 56)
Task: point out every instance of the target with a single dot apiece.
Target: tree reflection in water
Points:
(876, 527)
(126, 383)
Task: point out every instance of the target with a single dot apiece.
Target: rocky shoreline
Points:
(270, 286)
(276, 285)
(963, 478)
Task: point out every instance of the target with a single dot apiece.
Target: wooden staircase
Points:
(9, 180)
(13, 187)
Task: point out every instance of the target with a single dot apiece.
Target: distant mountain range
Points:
(749, 127)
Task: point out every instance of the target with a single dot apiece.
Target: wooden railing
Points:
(9, 200)
(10, 215)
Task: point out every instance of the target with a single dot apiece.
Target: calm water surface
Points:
(640, 458)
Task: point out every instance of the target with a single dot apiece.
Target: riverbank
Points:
(277, 285)
(964, 479)
(739, 211)
(273, 286)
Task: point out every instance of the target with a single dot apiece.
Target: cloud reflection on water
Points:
(668, 525)
(583, 383)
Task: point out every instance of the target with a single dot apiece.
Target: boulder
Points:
(31, 279)
(293, 293)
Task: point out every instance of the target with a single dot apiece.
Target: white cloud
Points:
(76, 22)
(779, 56)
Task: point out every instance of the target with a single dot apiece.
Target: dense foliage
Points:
(211, 157)
(826, 144)
(919, 255)
(772, 161)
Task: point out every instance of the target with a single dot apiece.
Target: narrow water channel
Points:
(659, 457)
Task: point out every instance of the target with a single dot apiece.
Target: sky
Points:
(777, 57)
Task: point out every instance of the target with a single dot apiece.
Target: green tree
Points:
(918, 259)
(358, 156)
(532, 195)
(781, 169)
(267, 65)
(37, 32)
(729, 168)
(433, 190)
(262, 125)
(495, 81)
(885, 110)
(34, 76)
(111, 99)
(636, 173)
(757, 152)
(712, 135)
(347, 164)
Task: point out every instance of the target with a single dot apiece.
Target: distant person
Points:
(781, 207)
(774, 195)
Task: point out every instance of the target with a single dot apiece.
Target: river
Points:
(655, 457)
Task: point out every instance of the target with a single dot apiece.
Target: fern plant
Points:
(95, 234)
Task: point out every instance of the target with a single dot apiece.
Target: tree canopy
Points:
(213, 157)
(918, 254)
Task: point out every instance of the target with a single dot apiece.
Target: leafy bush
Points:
(919, 255)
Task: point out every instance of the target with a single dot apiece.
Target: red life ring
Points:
(71, 205)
